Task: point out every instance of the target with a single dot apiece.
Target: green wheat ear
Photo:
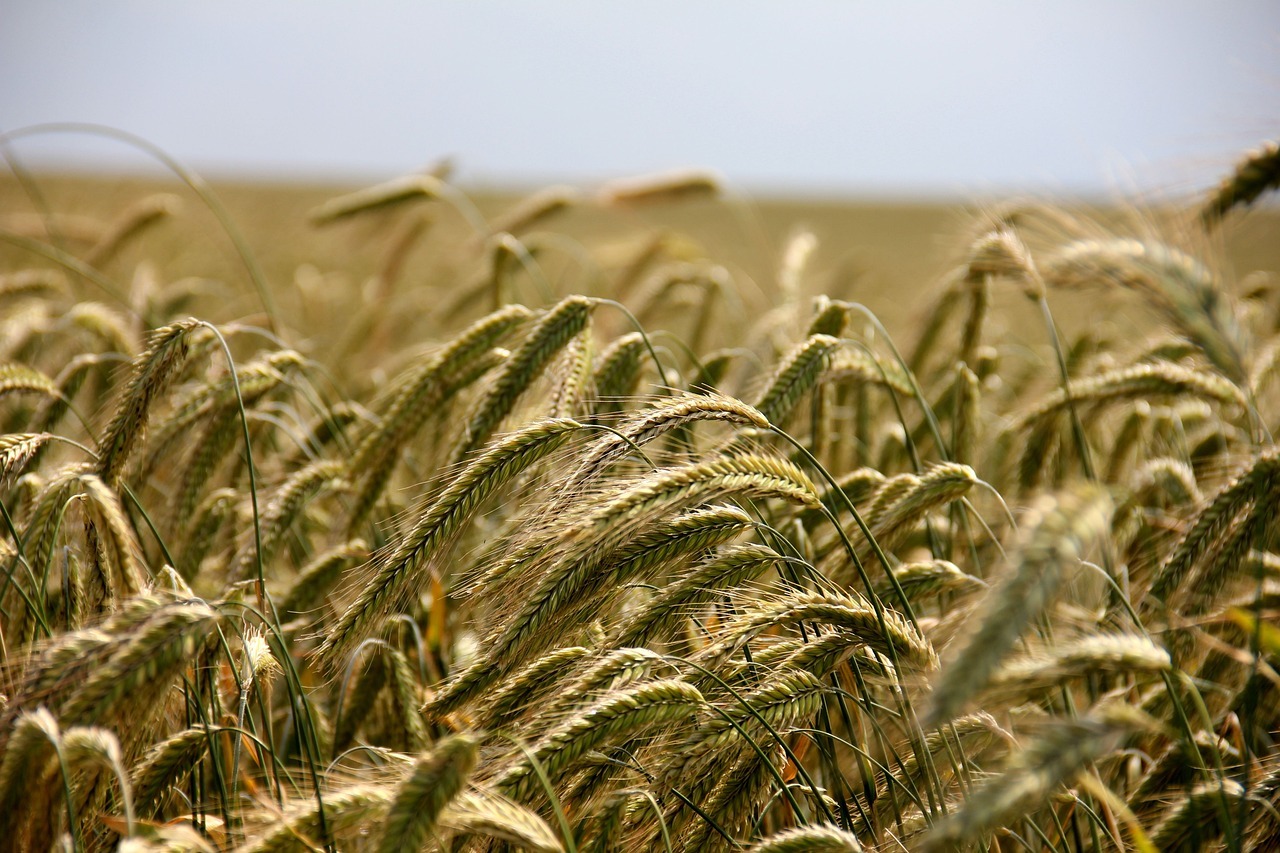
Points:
(437, 777)
(810, 839)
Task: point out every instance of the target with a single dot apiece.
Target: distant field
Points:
(891, 256)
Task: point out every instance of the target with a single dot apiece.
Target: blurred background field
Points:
(889, 255)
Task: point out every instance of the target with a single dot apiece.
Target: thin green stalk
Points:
(565, 829)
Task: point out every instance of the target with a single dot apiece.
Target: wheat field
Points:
(417, 521)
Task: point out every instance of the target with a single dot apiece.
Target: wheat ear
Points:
(1080, 658)
(385, 195)
(1055, 533)
(16, 450)
(592, 539)
(153, 370)
(810, 839)
(527, 686)
(659, 188)
(547, 337)
(284, 507)
(349, 810)
(1215, 521)
(1256, 174)
(623, 712)
(661, 418)
(887, 633)
(796, 374)
(1197, 819)
(617, 372)
(613, 671)
(31, 736)
(164, 765)
(396, 569)
(421, 391)
(317, 578)
(1184, 289)
(437, 777)
(500, 819)
(671, 604)
(1046, 763)
(132, 222)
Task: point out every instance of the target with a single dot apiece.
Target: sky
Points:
(1091, 97)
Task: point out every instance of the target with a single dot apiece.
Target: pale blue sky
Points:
(832, 97)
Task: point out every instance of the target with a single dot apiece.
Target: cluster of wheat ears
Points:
(545, 577)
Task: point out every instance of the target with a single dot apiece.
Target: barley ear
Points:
(396, 570)
(1056, 532)
(491, 816)
(153, 370)
(437, 777)
(1257, 173)
(810, 839)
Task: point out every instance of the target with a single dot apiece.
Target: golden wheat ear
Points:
(390, 194)
(396, 570)
(1056, 532)
(152, 373)
(1256, 174)
(810, 839)
(436, 778)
